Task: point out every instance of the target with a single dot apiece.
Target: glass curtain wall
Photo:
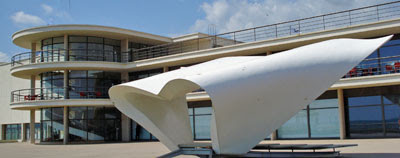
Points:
(91, 84)
(87, 48)
(385, 60)
(52, 85)
(36, 134)
(52, 125)
(52, 50)
(200, 119)
(13, 132)
(373, 112)
(144, 74)
(318, 120)
(94, 124)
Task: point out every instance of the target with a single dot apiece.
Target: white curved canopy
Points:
(251, 96)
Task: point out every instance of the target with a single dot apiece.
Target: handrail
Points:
(59, 55)
(57, 93)
(334, 20)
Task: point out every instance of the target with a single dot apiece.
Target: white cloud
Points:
(4, 57)
(240, 14)
(47, 9)
(21, 18)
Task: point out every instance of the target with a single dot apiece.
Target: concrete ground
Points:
(382, 148)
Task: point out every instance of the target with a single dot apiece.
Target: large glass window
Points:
(200, 118)
(36, 134)
(52, 124)
(373, 112)
(91, 84)
(84, 48)
(94, 124)
(385, 60)
(318, 120)
(52, 84)
(52, 50)
(144, 74)
(13, 132)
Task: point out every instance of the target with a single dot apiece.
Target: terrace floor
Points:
(383, 148)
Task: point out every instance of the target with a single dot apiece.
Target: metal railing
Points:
(60, 55)
(375, 66)
(330, 21)
(34, 94)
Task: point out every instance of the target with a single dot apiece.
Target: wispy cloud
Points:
(47, 9)
(4, 57)
(21, 18)
(239, 14)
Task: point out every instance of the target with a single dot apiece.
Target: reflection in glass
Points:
(324, 123)
(296, 127)
(365, 122)
(392, 120)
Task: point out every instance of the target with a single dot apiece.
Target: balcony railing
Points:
(65, 55)
(34, 94)
(330, 21)
(376, 66)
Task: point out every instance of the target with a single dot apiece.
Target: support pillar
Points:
(66, 47)
(268, 53)
(273, 135)
(126, 128)
(165, 68)
(66, 125)
(32, 126)
(33, 52)
(342, 119)
(124, 77)
(125, 48)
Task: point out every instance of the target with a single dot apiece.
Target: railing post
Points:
(323, 21)
(377, 12)
(254, 32)
(234, 37)
(350, 17)
(298, 23)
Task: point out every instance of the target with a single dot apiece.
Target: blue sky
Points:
(161, 17)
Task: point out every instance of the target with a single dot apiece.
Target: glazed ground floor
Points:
(367, 148)
(372, 112)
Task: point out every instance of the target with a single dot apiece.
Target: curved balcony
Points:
(52, 97)
(31, 63)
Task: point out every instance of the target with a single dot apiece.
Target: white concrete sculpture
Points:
(251, 96)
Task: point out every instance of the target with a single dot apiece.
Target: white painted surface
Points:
(251, 96)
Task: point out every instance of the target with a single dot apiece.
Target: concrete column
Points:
(126, 128)
(33, 52)
(32, 126)
(66, 125)
(165, 68)
(274, 136)
(124, 77)
(124, 48)
(268, 53)
(1, 132)
(66, 47)
(342, 119)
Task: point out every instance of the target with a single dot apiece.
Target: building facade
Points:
(58, 91)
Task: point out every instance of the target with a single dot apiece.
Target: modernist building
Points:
(58, 91)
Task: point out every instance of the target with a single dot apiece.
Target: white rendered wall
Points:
(8, 84)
